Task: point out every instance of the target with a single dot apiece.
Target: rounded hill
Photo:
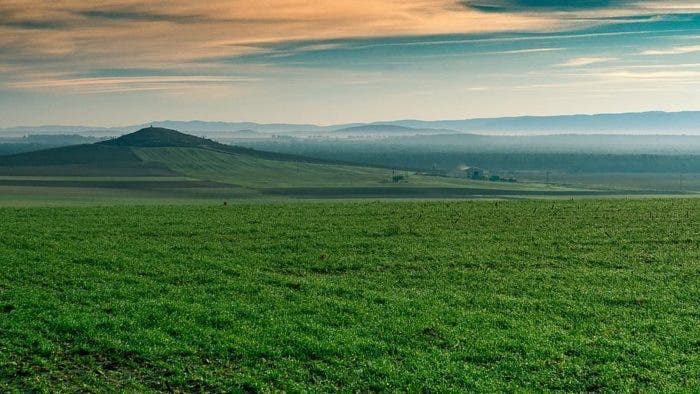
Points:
(150, 137)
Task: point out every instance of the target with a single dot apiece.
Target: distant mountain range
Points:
(636, 123)
(626, 123)
(390, 130)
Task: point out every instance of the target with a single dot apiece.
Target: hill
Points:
(388, 129)
(158, 137)
(81, 160)
(149, 151)
(34, 142)
(222, 127)
(164, 163)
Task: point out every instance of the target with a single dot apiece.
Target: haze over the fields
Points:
(651, 123)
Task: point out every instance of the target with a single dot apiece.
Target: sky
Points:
(114, 63)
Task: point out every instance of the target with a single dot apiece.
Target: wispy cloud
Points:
(543, 5)
(306, 48)
(664, 66)
(300, 53)
(651, 76)
(129, 33)
(540, 36)
(122, 84)
(531, 50)
(661, 77)
(586, 61)
(674, 5)
(579, 6)
(676, 50)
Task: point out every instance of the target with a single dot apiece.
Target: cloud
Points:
(678, 50)
(122, 84)
(589, 11)
(84, 47)
(133, 33)
(654, 75)
(585, 61)
(675, 76)
(542, 5)
(671, 5)
(661, 66)
(531, 50)
(139, 14)
(134, 15)
(33, 25)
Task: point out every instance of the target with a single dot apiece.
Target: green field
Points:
(583, 295)
(670, 182)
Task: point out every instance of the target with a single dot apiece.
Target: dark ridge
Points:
(152, 137)
(74, 154)
(75, 160)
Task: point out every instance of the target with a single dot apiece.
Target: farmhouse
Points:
(473, 172)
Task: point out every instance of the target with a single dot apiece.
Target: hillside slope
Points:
(81, 160)
(254, 171)
(166, 164)
(155, 151)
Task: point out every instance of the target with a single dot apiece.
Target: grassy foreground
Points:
(481, 296)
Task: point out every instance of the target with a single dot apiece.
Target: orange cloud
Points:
(174, 31)
(104, 84)
(76, 37)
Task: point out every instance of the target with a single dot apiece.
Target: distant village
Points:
(464, 172)
(477, 173)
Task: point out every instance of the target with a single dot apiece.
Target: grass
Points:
(631, 181)
(257, 172)
(149, 194)
(251, 171)
(199, 175)
(115, 179)
(584, 295)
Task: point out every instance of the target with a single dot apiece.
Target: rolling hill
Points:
(81, 160)
(155, 151)
(168, 164)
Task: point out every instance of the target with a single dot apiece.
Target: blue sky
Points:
(119, 62)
